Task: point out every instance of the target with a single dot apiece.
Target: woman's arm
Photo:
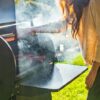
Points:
(56, 27)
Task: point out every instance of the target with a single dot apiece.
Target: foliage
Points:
(78, 60)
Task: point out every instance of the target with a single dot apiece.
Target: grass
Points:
(75, 90)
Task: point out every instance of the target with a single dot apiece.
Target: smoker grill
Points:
(27, 65)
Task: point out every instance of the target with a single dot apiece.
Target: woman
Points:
(85, 26)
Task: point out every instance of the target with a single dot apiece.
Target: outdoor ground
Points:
(75, 90)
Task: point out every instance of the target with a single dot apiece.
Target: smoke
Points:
(38, 53)
(36, 57)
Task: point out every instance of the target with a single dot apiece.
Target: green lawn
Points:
(75, 90)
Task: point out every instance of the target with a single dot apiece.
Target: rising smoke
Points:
(37, 53)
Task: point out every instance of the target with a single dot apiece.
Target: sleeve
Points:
(96, 17)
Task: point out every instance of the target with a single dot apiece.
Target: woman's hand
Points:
(92, 75)
(91, 78)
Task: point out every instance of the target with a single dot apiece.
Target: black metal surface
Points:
(43, 96)
(29, 91)
(7, 70)
(62, 75)
(7, 11)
